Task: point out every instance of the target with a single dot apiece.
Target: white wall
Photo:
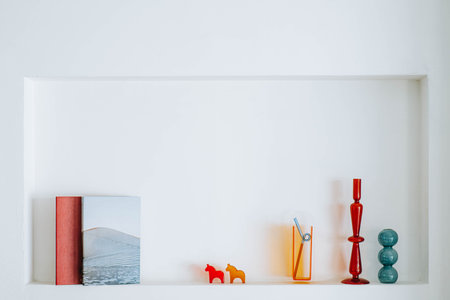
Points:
(111, 38)
(223, 165)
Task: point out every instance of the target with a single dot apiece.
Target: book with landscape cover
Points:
(68, 240)
(111, 240)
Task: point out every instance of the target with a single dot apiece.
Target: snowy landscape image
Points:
(111, 243)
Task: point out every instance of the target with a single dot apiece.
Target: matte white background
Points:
(111, 38)
(222, 167)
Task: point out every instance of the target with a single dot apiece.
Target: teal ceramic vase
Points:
(388, 256)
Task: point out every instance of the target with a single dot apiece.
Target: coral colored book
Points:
(69, 248)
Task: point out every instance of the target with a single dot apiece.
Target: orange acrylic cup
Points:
(301, 255)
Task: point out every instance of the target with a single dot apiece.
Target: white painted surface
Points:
(111, 38)
(222, 167)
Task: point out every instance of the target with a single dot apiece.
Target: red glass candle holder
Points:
(356, 210)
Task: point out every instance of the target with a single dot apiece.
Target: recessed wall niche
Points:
(222, 165)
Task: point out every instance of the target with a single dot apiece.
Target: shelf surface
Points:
(316, 290)
(306, 283)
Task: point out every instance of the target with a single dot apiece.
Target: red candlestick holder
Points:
(356, 210)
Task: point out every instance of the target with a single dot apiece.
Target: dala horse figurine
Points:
(235, 273)
(214, 274)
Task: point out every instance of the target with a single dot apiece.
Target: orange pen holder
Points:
(301, 255)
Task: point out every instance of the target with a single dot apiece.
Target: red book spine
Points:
(68, 240)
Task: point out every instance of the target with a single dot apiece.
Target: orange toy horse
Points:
(214, 274)
(235, 273)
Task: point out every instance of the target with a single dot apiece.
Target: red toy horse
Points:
(214, 274)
